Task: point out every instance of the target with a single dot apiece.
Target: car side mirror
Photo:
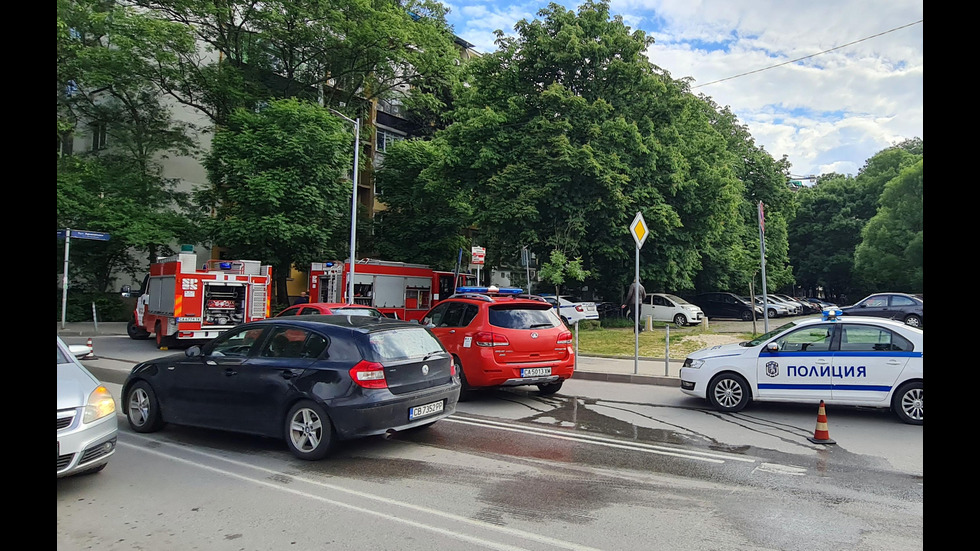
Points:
(193, 351)
(772, 347)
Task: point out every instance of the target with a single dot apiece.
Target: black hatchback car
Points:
(897, 306)
(725, 305)
(310, 380)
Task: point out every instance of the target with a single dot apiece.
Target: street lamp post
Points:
(353, 202)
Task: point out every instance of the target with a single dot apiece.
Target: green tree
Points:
(560, 269)
(889, 256)
(427, 214)
(558, 133)
(278, 191)
(340, 52)
(104, 52)
(824, 234)
(831, 218)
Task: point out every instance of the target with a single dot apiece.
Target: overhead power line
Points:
(808, 56)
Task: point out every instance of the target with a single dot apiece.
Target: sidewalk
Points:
(618, 369)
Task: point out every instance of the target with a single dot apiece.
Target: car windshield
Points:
(403, 344)
(62, 358)
(358, 311)
(761, 339)
(677, 299)
(522, 317)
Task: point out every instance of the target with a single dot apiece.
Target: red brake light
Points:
(489, 338)
(565, 337)
(368, 375)
(578, 308)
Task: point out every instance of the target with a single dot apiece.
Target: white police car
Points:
(572, 310)
(850, 360)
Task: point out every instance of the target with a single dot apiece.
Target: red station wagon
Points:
(330, 308)
(500, 337)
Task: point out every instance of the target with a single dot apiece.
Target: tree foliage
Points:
(831, 226)
(427, 214)
(559, 269)
(340, 52)
(890, 253)
(278, 188)
(567, 130)
(104, 53)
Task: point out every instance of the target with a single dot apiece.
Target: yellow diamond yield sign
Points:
(639, 230)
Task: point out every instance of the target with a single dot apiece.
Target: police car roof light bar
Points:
(831, 314)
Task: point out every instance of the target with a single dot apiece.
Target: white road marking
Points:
(395, 503)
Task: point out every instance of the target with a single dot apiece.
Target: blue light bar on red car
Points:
(490, 290)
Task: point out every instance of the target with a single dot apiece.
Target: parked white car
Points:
(795, 308)
(774, 309)
(670, 308)
(572, 310)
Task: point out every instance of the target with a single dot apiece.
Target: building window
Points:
(100, 137)
(386, 138)
(66, 144)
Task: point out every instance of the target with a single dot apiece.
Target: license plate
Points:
(422, 411)
(535, 371)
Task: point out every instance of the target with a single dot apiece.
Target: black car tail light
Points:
(368, 375)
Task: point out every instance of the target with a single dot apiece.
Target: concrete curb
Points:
(626, 378)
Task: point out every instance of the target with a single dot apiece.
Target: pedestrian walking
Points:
(635, 292)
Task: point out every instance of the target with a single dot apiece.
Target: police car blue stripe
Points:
(847, 353)
(794, 387)
(876, 388)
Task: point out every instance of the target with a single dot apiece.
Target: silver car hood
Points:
(74, 386)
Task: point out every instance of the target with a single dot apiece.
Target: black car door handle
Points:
(289, 373)
(229, 372)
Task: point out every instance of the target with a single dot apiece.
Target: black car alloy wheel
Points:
(309, 433)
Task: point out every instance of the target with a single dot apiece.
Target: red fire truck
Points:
(397, 289)
(180, 302)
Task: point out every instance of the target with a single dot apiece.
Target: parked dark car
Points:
(309, 380)
(897, 306)
(820, 304)
(725, 305)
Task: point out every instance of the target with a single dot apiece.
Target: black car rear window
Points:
(523, 317)
(403, 344)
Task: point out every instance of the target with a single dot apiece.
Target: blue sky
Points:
(828, 84)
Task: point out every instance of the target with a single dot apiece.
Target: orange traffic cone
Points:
(821, 435)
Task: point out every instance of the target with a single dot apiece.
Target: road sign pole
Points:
(636, 314)
(638, 229)
(64, 279)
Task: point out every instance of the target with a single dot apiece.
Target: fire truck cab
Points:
(398, 289)
(179, 302)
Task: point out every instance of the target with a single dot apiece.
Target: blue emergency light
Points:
(224, 265)
(831, 314)
(491, 289)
